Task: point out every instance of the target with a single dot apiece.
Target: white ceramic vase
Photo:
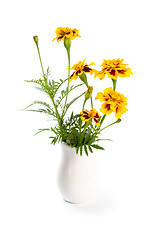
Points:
(78, 176)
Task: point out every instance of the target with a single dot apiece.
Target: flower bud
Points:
(88, 93)
(118, 120)
(67, 43)
(83, 77)
(35, 39)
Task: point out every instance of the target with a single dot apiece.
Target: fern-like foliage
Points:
(71, 131)
(52, 89)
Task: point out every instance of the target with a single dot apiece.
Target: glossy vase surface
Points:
(78, 176)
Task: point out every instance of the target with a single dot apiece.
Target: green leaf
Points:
(75, 99)
(64, 94)
(41, 130)
(77, 149)
(41, 103)
(91, 141)
(39, 81)
(59, 84)
(41, 110)
(73, 87)
(97, 146)
(85, 149)
(54, 130)
(90, 149)
(87, 137)
(81, 150)
(77, 116)
(106, 139)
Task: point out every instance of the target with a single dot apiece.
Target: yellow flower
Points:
(88, 115)
(80, 68)
(113, 102)
(113, 69)
(66, 32)
(75, 33)
(100, 74)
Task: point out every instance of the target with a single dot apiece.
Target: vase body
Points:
(78, 176)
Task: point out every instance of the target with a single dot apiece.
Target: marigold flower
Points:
(75, 33)
(92, 114)
(80, 68)
(100, 74)
(113, 102)
(113, 69)
(66, 32)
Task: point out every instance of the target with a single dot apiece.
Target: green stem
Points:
(68, 53)
(114, 84)
(91, 102)
(58, 115)
(85, 127)
(104, 116)
(40, 60)
(79, 139)
(86, 101)
(55, 106)
(83, 104)
(118, 120)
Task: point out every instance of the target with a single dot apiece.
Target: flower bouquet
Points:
(79, 132)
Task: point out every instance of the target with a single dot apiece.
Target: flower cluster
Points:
(81, 130)
(113, 101)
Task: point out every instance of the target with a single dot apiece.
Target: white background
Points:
(128, 205)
